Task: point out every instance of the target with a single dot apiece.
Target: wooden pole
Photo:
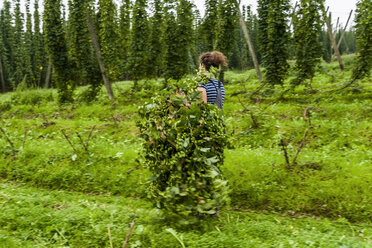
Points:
(49, 73)
(97, 49)
(337, 52)
(249, 42)
(344, 30)
(2, 76)
(335, 33)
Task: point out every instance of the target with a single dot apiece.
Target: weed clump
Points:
(32, 97)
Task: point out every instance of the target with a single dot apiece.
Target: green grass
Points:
(33, 217)
(332, 176)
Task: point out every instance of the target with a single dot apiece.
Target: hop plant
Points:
(183, 147)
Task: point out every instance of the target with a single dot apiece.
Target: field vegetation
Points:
(105, 140)
(70, 174)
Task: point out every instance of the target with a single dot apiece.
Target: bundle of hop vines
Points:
(183, 147)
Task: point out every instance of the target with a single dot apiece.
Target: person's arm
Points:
(204, 93)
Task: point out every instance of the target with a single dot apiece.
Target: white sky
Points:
(339, 8)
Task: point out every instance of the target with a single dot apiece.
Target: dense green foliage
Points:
(29, 50)
(156, 39)
(39, 58)
(178, 36)
(57, 49)
(184, 38)
(209, 24)
(274, 39)
(18, 39)
(81, 52)
(164, 39)
(139, 53)
(170, 39)
(364, 39)
(124, 34)
(307, 29)
(227, 26)
(334, 163)
(184, 150)
(6, 45)
(169, 45)
(109, 37)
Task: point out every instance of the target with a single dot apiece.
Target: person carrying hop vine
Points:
(184, 144)
(213, 92)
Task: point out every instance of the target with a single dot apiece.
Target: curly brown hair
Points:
(215, 59)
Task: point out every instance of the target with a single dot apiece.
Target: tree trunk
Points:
(49, 73)
(335, 48)
(97, 49)
(249, 42)
(2, 76)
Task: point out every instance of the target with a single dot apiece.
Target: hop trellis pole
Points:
(2, 76)
(334, 44)
(49, 73)
(97, 49)
(344, 30)
(249, 42)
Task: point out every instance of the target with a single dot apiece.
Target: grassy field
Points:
(32, 217)
(323, 199)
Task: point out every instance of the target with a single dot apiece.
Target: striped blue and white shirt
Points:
(211, 90)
